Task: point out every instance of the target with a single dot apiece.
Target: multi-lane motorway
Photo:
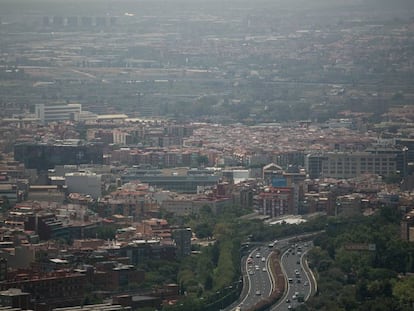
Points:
(300, 282)
(259, 277)
(259, 284)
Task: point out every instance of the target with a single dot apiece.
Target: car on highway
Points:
(258, 293)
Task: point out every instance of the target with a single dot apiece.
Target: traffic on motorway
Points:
(299, 278)
(259, 278)
(260, 284)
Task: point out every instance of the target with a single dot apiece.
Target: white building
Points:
(85, 116)
(57, 112)
(84, 183)
(120, 137)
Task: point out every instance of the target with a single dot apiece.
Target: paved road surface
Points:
(300, 283)
(258, 281)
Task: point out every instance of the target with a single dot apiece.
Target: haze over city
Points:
(206, 155)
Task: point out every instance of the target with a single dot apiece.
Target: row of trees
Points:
(210, 280)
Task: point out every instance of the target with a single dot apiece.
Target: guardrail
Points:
(314, 288)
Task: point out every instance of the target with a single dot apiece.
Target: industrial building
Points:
(57, 112)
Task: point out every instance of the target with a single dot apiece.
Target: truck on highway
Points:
(271, 244)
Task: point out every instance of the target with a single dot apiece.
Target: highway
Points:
(259, 278)
(258, 284)
(300, 282)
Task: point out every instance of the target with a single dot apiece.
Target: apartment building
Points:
(348, 165)
(276, 201)
(184, 205)
(351, 164)
(56, 289)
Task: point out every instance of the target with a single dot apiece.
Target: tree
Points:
(203, 230)
(222, 230)
(403, 291)
(106, 232)
(392, 179)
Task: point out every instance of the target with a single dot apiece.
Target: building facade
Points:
(84, 183)
(351, 164)
(42, 156)
(57, 112)
(276, 202)
(57, 289)
(182, 238)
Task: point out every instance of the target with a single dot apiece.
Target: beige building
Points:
(191, 205)
(353, 164)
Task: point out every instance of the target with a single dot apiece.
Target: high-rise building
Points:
(182, 238)
(58, 20)
(100, 21)
(46, 156)
(72, 21)
(3, 269)
(313, 165)
(276, 202)
(86, 21)
(46, 21)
